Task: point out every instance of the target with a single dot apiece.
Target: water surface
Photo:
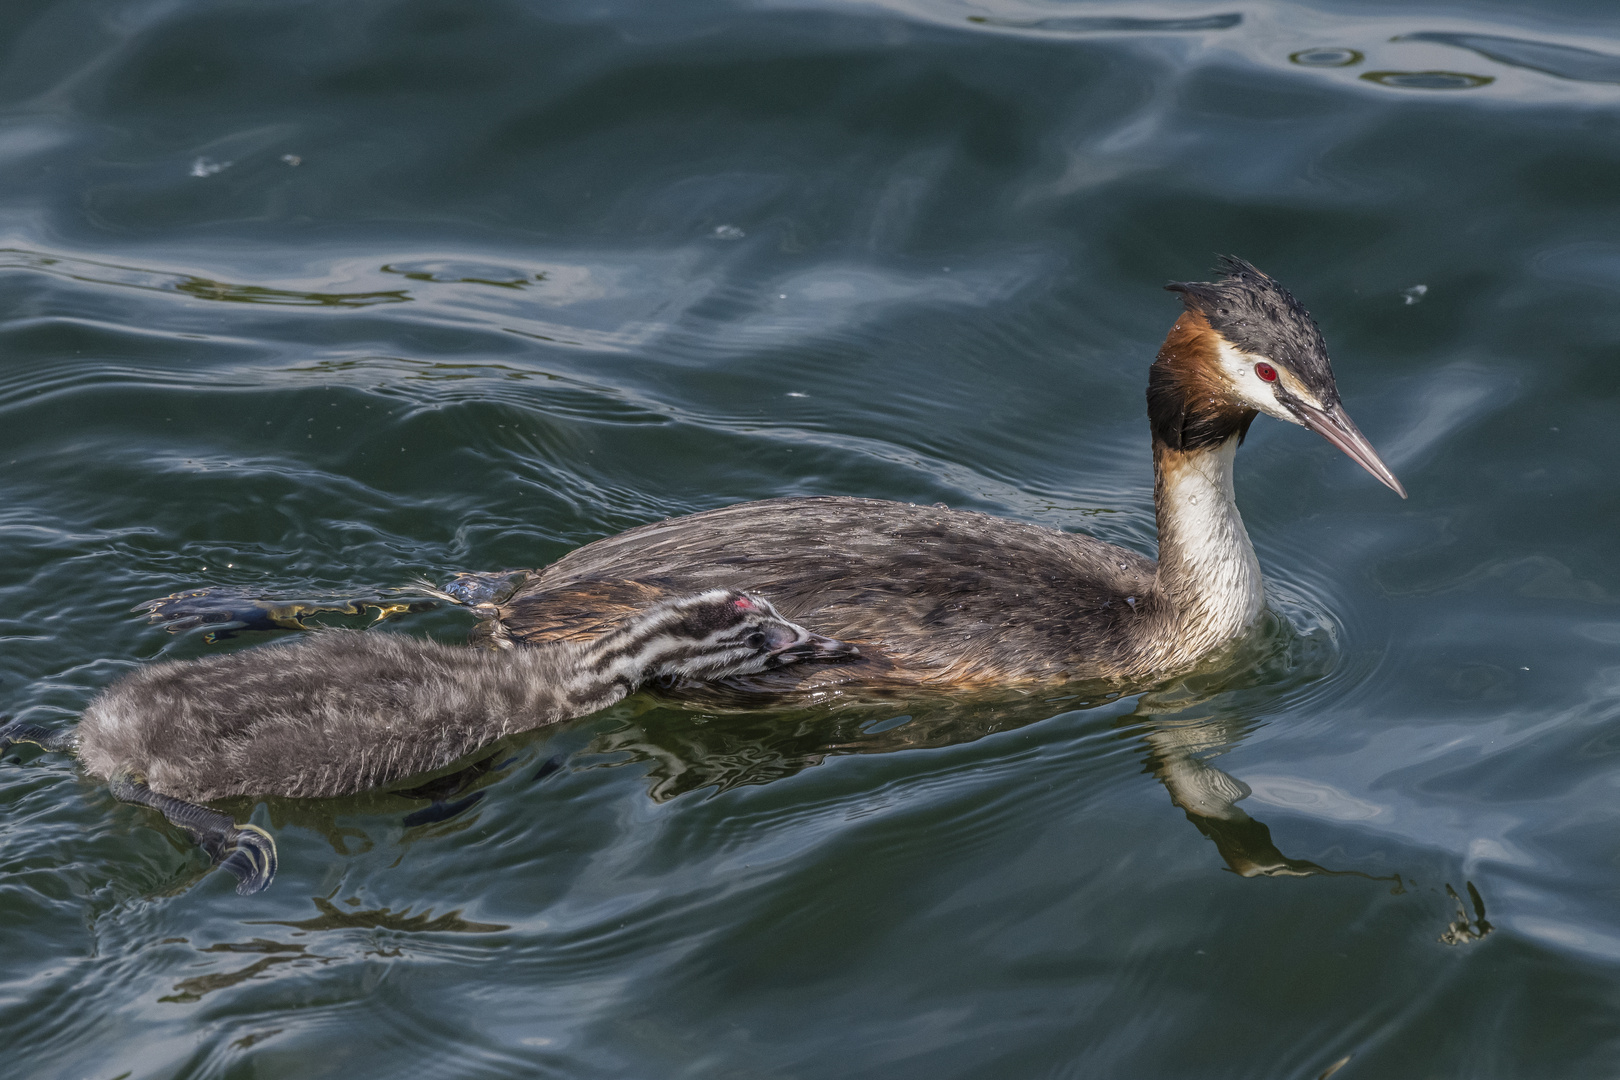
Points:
(312, 299)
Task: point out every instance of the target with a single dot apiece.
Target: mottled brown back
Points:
(931, 595)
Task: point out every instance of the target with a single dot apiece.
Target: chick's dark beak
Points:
(1335, 425)
(789, 648)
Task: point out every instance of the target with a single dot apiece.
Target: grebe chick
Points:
(944, 597)
(340, 711)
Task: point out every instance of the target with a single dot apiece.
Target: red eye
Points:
(1266, 372)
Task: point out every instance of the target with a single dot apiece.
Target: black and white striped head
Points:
(711, 635)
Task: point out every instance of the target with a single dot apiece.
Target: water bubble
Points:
(1428, 80)
(208, 167)
(1326, 57)
(1415, 293)
(728, 232)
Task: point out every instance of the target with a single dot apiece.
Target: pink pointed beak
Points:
(1335, 425)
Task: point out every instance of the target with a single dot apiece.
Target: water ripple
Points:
(1106, 24)
(313, 300)
(1564, 61)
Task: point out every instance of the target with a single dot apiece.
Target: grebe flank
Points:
(340, 711)
(946, 597)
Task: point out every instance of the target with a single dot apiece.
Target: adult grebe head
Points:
(1245, 345)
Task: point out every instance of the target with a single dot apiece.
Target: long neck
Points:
(1207, 567)
(530, 687)
(566, 679)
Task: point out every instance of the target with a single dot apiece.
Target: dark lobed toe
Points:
(209, 607)
(252, 861)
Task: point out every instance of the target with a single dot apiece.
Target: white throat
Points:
(1206, 562)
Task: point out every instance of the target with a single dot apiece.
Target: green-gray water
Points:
(316, 298)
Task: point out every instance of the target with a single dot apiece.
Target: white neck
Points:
(1206, 563)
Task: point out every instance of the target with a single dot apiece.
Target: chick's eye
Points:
(1266, 371)
(756, 640)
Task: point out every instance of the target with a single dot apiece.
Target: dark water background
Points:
(313, 298)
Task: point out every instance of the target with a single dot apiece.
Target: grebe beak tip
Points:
(1335, 425)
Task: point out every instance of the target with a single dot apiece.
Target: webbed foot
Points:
(57, 742)
(236, 610)
(246, 851)
(251, 859)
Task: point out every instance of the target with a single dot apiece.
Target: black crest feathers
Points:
(1257, 315)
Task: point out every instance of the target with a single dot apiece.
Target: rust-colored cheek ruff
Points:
(1188, 404)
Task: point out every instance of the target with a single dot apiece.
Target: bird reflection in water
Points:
(1178, 754)
(1177, 729)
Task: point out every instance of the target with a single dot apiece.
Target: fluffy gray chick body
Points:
(340, 711)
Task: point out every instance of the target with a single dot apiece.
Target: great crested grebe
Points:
(947, 597)
(342, 710)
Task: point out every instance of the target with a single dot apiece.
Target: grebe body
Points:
(945, 597)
